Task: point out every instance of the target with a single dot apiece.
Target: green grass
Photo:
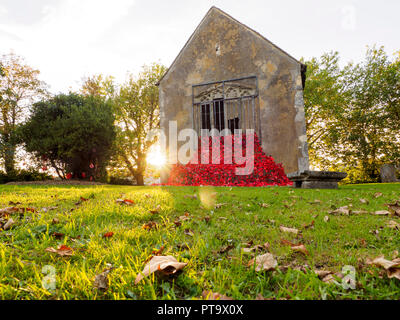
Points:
(343, 240)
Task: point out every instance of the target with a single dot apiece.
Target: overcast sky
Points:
(69, 39)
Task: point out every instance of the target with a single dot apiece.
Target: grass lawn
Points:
(238, 218)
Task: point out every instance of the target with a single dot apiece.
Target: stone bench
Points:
(316, 179)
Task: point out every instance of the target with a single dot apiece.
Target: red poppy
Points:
(220, 172)
(69, 176)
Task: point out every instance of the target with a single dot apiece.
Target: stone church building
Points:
(229, 76)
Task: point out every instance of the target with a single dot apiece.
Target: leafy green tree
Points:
(73, 133)
(353, 113)
(137, 112)
(19, 87)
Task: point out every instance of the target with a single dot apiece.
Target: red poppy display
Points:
(220, 173)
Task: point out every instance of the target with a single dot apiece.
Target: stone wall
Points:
(221, 49)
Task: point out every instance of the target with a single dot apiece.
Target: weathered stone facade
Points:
(220, 49)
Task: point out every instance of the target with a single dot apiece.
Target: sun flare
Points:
(156, 157)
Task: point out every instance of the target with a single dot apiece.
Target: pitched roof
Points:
(213, 8)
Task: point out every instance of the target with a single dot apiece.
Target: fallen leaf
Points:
(265, 205)
(8, 224)
(378, 194)
(12, 203)
(166, 265)
(342, 210)
(296, 247)
(364, 201)
(322, 273)
(326, 218)
(209, 295)
(58, 235)
(256, 248)
(108, 234)
(207, 219)
(156, 210)
(63, 250)
(55, 221)
(125, 201)
(392, 267)
(381, 213)
(316, 201)
(150, 225)
(393, 225)
(394, 208)
(290, 230)
(226, 248)
(101, 281)
(264, 262)
(189, 232)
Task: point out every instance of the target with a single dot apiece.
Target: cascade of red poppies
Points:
(220, 173)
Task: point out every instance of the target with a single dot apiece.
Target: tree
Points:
(19, 87)
(137, 112)
(73, 133)
(353, 113)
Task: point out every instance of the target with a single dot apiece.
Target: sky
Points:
(71, 39)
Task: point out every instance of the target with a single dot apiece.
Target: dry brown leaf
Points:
(150, 225)
(330, 278)
(55, 221)
(326, 218)
(209, 295)
(322, 273)
(8, 211)
(8, 224)
(394, 208)
(189, 232)
(156, 210)
(63, 250)
(290, 230)
(12, 203)
(256, 248)
(265, 205)
(58, 235)
(342, 210)
(378, 194)
(296, 247)
(164, 264)
(101, 281)
(226, 248)
(392, 267)
(364, 201)
(125, 201)
(393, 225)
(264, 262)
(381, 213)
(316, 201)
